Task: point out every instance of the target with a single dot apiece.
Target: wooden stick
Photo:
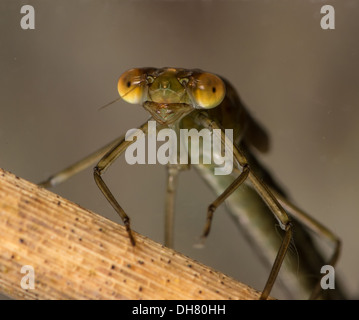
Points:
(77, 254)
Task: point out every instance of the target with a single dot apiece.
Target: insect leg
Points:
(101, 167)
(172, 180)
(267, 196)
(226, 193)
(77, 167)
(317, 228)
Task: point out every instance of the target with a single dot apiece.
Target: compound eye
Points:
(131, 86)
(208, 90)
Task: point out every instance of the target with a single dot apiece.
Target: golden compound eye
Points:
(131, 86)
(208, 90)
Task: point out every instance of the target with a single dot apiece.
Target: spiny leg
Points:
(79, 166)
(267, 196)
(102, 166)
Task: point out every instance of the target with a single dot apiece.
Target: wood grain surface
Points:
(78, 254)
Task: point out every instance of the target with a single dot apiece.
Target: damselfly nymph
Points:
(185, 99)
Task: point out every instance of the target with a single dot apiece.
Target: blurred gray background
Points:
(299, 81)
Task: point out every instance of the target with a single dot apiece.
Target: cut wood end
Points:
(73, 253)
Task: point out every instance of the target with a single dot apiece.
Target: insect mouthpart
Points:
(167, 113)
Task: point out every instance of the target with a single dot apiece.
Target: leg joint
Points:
(97, 171)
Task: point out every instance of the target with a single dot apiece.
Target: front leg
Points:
(104, 163)
(262, 189)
